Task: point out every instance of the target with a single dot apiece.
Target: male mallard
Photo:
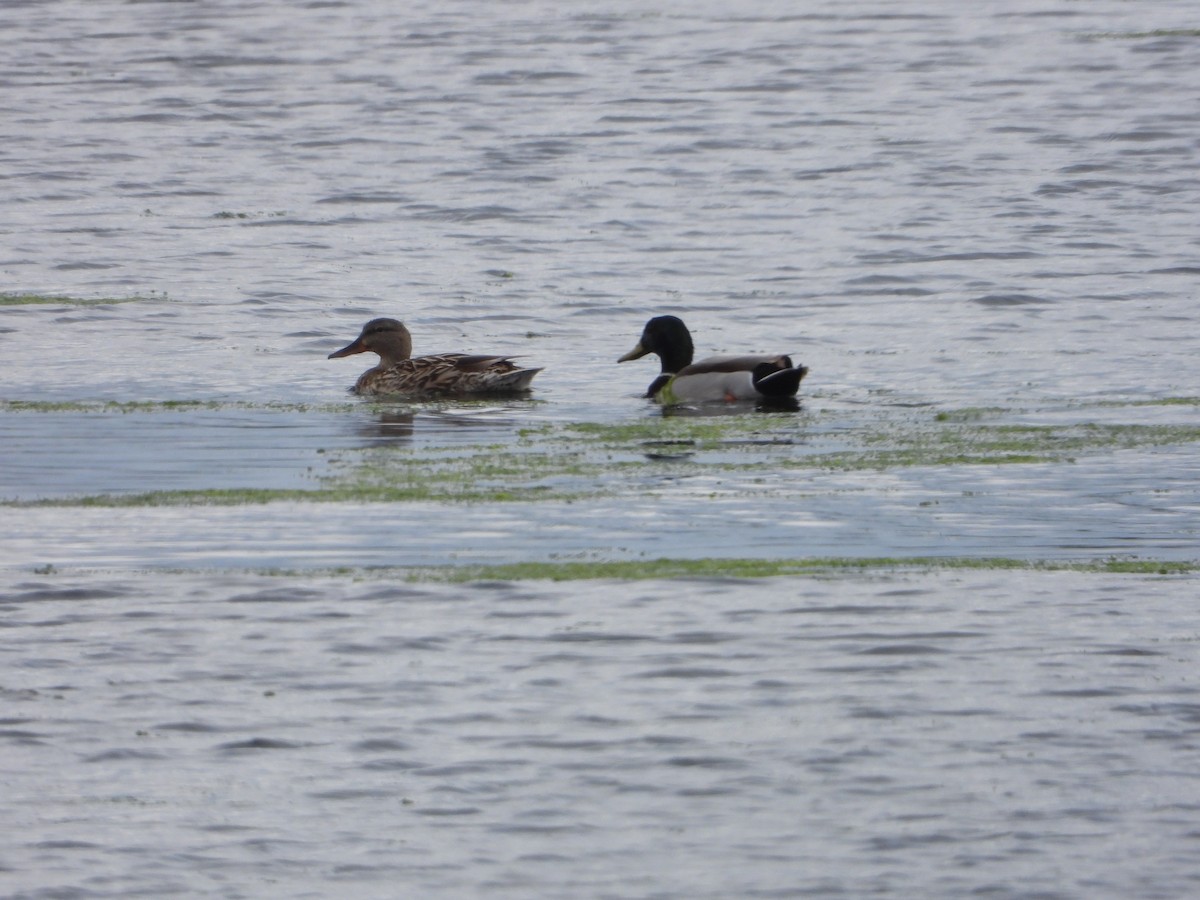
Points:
(446, 374)
(728, 378)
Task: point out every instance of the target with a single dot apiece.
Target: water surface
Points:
(963, 218)
(1014, 734)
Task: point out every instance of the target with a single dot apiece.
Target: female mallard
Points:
(729, 378)
(446, 374)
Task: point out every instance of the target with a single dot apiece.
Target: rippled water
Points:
(936, 206)
(1011, 735)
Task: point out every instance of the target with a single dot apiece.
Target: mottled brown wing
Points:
(482, 363)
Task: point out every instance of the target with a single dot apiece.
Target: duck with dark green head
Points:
(716, 378)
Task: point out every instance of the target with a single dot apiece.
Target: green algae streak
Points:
(642, 570)
(1143, 35)
(32, 299)
(126, 407)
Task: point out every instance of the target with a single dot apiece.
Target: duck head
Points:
(668, 338)
(387, 337)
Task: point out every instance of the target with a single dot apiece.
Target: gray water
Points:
(936, 206)
(947, 735)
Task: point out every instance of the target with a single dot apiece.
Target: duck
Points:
(440, 375)
(717, 378)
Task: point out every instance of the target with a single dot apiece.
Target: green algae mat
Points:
(712, 456)
(982, 472)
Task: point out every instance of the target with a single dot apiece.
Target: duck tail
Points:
(516, 380)
(772, 381)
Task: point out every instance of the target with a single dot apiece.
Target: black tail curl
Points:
(772, 381)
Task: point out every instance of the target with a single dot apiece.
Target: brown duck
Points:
(442, 375)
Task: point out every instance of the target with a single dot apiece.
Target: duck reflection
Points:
(703, 410)
(388, 427)
(402, 424)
